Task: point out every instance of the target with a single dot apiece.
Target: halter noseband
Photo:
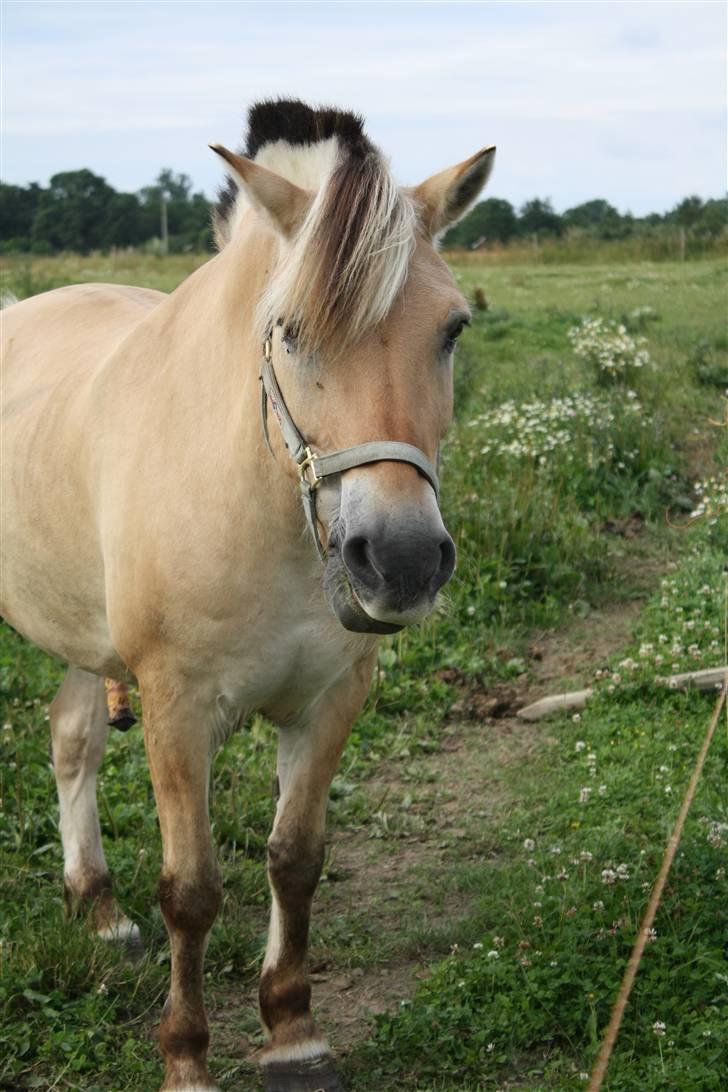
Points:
(313, 468)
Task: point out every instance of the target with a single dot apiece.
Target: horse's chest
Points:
(284, 671)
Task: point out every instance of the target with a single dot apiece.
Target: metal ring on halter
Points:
(309, 464)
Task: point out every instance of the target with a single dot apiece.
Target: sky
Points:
(625, 101)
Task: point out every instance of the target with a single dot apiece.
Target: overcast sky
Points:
(586, 99)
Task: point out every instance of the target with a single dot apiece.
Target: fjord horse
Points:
(264, 506)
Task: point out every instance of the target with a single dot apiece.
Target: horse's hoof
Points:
(125, 935)
(318, 1075)
(133, 948)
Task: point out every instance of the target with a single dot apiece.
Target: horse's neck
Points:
(197, 367)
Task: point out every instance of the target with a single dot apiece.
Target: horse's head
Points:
(360, 321)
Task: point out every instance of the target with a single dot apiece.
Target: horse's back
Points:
(68, 330)
(54, 346)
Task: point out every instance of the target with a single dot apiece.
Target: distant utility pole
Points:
(165, 232)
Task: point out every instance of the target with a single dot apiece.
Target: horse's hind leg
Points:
(79, 728)
(297, 1058)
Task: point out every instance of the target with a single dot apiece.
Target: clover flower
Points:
(615, 355)
(712, 498)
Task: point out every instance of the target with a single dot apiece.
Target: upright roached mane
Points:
(348, 262)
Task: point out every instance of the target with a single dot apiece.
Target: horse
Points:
(264, 507)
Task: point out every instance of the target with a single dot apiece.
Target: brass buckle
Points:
(307, 464)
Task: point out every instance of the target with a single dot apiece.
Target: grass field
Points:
(522, 860)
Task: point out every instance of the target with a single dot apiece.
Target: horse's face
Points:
(387, 550)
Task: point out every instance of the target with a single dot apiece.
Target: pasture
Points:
(484, 879)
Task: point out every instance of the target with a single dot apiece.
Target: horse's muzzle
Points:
(393, 575)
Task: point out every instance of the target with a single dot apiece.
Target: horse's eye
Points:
(288, 339)
(454, 333)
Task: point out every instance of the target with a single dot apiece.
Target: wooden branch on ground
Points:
(711, 678)
(558, 703)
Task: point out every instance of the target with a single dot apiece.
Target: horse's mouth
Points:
(351, 613)
(345, 602)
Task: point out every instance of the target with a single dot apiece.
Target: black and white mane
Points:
(342, 272)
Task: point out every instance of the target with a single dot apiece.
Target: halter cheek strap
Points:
(313, 468)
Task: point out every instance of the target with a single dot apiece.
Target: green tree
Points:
(493, 220)
(124, 224)
(188, 214)
(18, 206)
(688, 211)
(73, 213)
(714, 218)
(538, 217)
(599, 218)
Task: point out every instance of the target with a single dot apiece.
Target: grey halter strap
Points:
(313, 468)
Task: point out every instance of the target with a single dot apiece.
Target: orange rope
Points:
(610, 1036)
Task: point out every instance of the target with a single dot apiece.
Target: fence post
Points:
(165, 233)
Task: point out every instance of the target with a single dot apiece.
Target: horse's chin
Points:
(347, 607)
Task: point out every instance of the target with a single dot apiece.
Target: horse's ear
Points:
(282, 203)
(445, 197)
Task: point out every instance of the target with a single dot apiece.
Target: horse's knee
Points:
(295, 863)
(191, 906)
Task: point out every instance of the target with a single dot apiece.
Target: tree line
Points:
(497, 221)
(80, 211)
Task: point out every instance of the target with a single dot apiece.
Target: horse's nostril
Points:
(447, 560)
(356, 555)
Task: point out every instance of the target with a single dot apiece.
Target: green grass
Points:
(25, 276)
(532, 553)
(555, 922)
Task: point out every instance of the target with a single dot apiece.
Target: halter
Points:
(313, 468)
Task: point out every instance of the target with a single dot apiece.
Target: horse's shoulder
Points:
(68, 331)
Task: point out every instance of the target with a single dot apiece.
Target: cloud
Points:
(621, 96)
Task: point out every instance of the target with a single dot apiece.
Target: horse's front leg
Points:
(297, 1058)
(190, 889)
